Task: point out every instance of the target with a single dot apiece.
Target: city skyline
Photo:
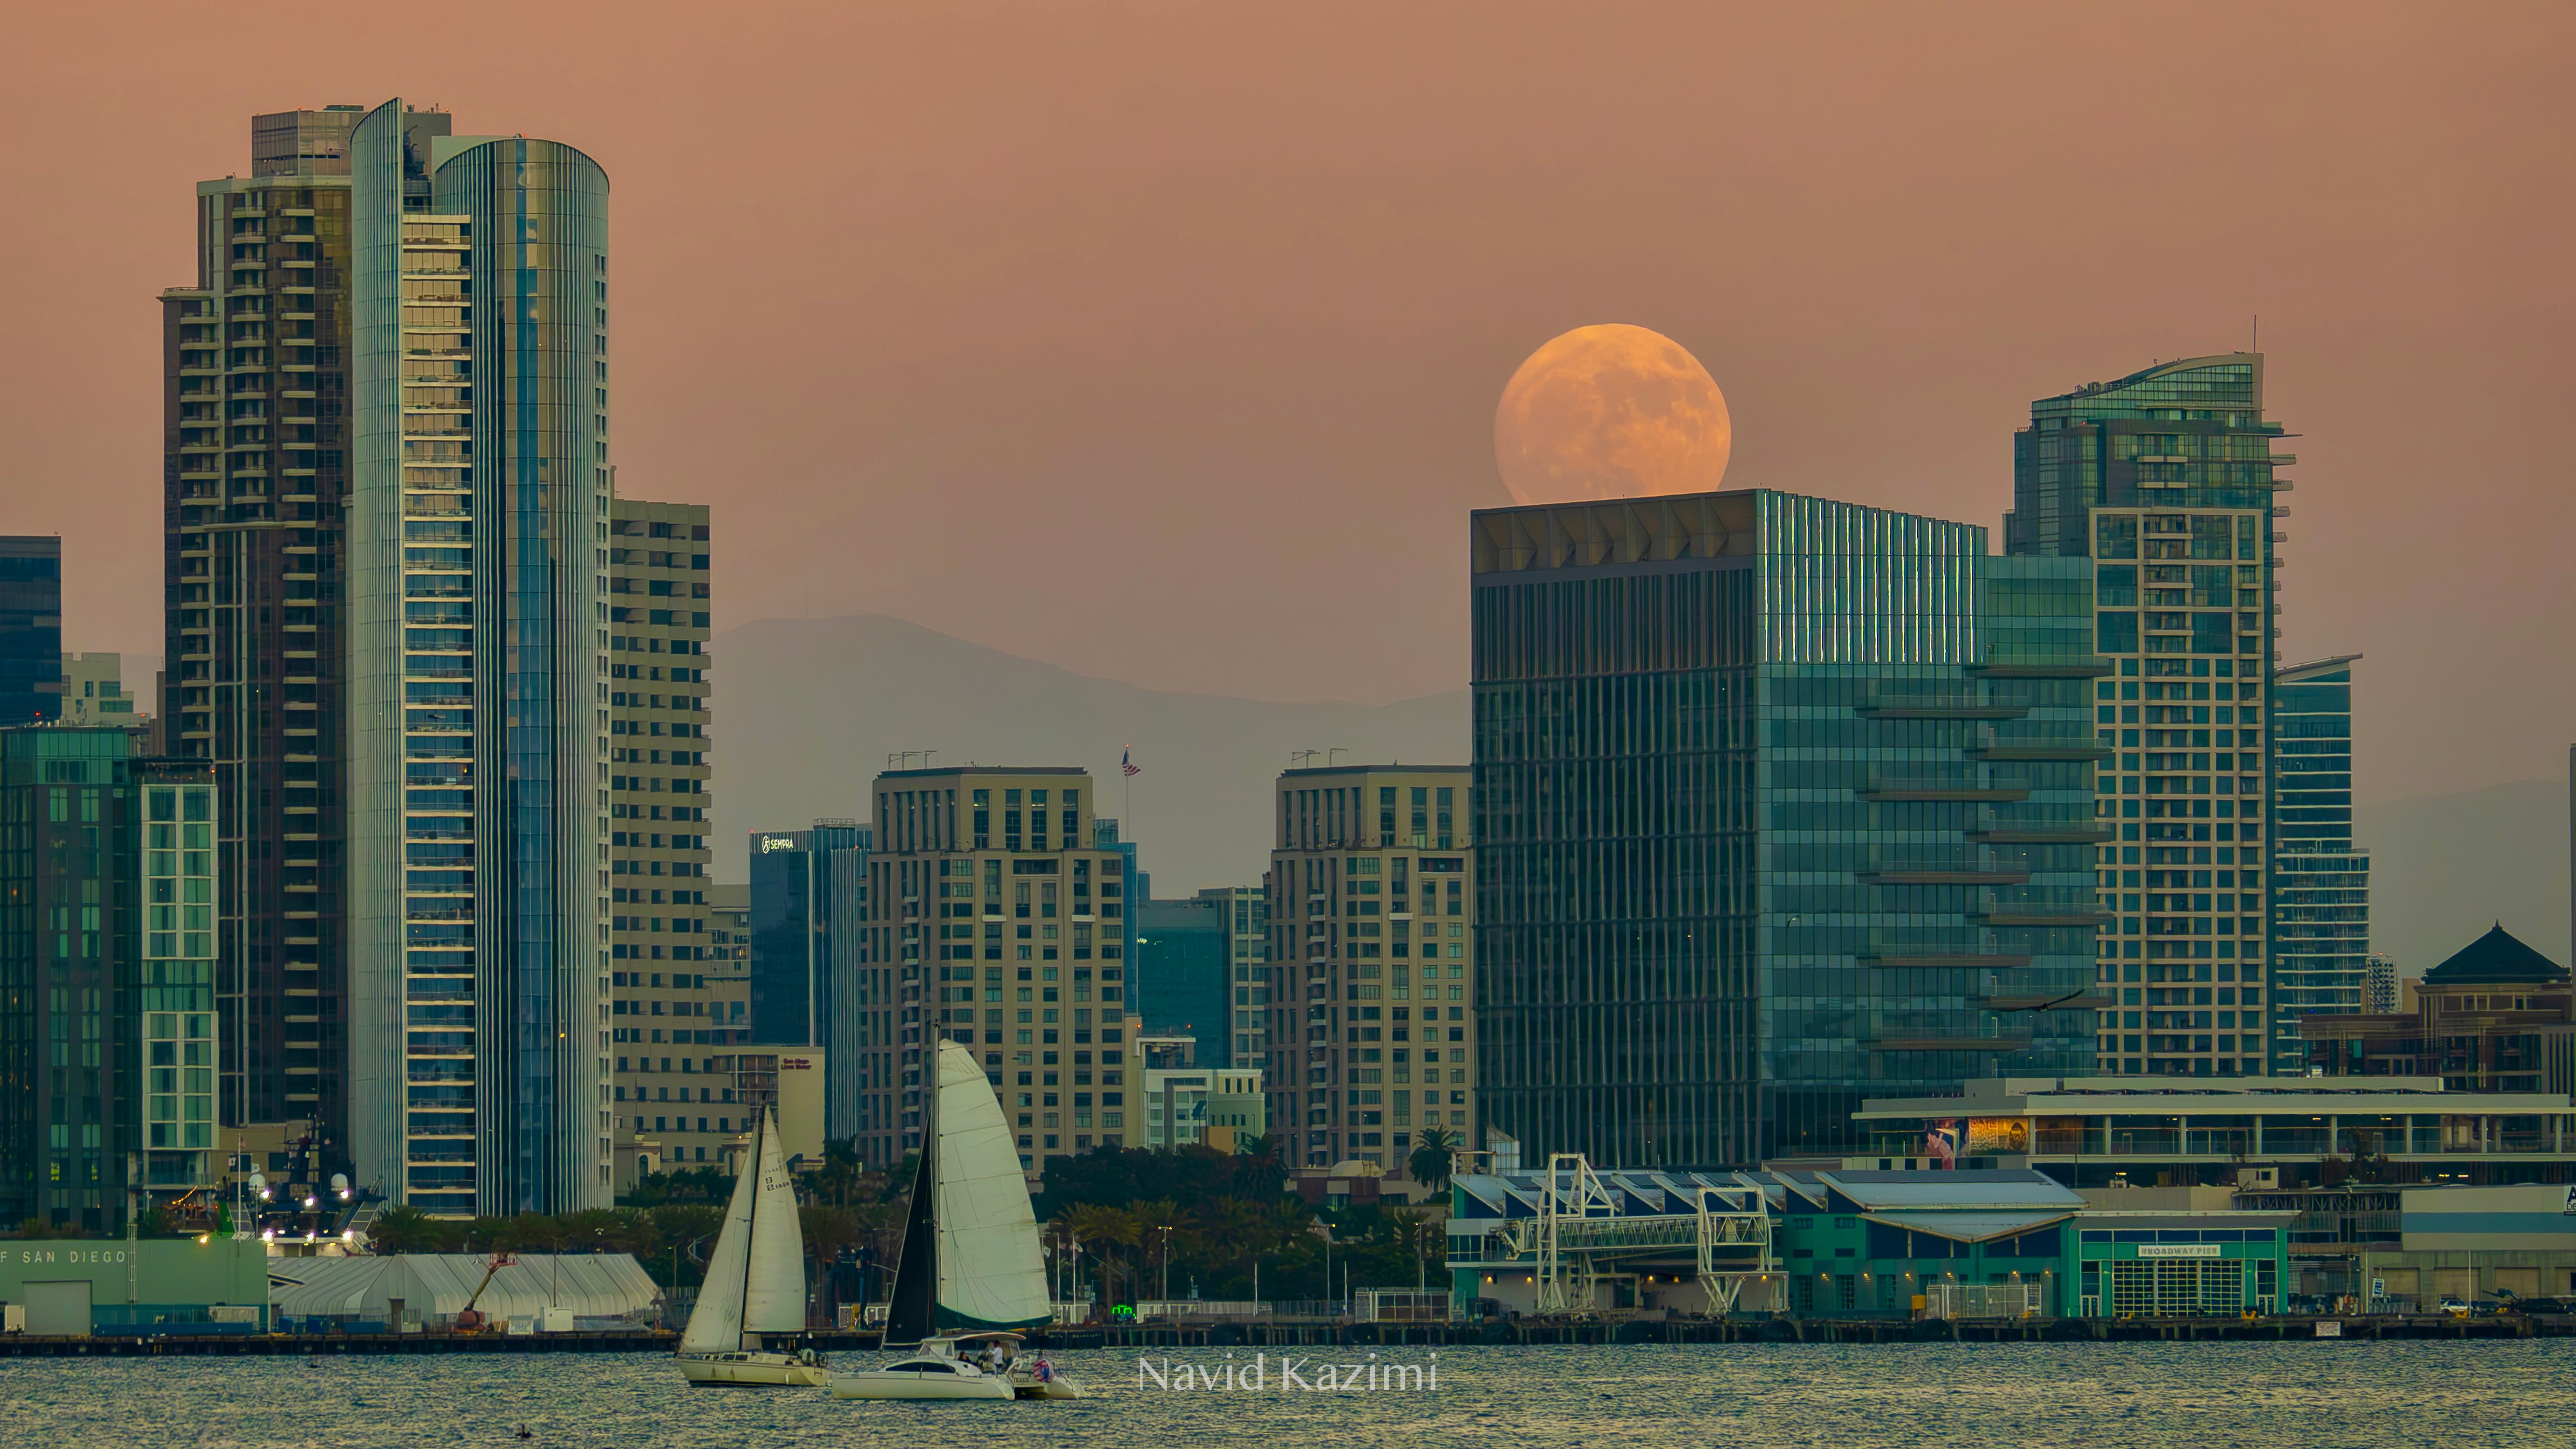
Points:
(1156, 381)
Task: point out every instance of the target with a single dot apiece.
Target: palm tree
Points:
(1418, 1233)
(1103, 1228)
(406, 1229)
(1434, 1150)
(1157, 1222)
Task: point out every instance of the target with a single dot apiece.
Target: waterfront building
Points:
(2320, 878)
(808, 894)
(1373, 915)
(109, 869)
(2337, 1151)
(31, 629)
(256, 445)
(1852, 1243)
(94, 692)
(994, 918)
(1180, 971)
(1779, 801)
(2473, 1246)
(73, 1290)
(2165, 479)
(477, 638)
(2497, 1016)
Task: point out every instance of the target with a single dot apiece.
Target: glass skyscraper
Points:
(809, 894)
(2321, 959)
(478, 639)
(2164, 479)
(1779, 803)
(31, 629)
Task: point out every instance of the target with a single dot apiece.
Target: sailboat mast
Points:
(751, 1226)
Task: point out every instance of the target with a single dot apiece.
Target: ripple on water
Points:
(2204, 1396)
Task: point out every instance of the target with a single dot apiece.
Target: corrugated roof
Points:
(1954, 1191)
(592, 1285)
(1968, 1227)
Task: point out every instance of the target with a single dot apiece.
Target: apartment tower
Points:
(2321, 961)
(2165, 479)
(995, 920)
(1372, 907)
(477, 639)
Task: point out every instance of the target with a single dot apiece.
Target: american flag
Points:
(1127, 766)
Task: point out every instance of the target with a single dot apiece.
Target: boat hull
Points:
(752, 1370)
(878, 1384)
(1058, 1387)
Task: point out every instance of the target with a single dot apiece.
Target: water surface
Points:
(2299, 1395)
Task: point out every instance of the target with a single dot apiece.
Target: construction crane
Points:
(467, 1319)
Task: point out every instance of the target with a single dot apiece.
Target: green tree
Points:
(406, 1229)
(1434, 1149)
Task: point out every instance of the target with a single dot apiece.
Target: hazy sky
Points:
(1162, 341)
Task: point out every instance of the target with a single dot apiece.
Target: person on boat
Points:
(1043, 1372)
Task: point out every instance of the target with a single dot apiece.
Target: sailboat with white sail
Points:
(970, 1272)
(755, 1282)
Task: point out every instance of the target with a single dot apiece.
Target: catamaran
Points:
(755, 1282)
(970, 1274)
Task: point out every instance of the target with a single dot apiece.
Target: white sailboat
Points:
(755, 1281)
(970, 1270)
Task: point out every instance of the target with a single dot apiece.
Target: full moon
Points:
(1610, 411)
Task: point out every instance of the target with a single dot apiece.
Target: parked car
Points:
(2454, 1307)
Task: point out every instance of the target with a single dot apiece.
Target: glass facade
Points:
(2321, 961)
(479, 637)
(809, 891)
(108, 873)
(2165, 479)
(1778, 801)
(31, 629)
(1178, 974)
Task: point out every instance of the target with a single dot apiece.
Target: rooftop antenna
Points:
(2258, 331)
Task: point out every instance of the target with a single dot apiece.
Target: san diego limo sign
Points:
(1289, 1375)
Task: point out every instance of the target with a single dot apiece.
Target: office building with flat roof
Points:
(2165, 480)
(31, 629)
(807, 897)
(1779, 801)
(477, 636)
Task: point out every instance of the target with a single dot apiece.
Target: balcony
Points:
(1950, 1044)
(1945, 868)
(2039, 913)
(2078, 666)
(1962, 704)
(1940, 787)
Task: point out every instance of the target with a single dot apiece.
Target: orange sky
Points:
(1163, 341)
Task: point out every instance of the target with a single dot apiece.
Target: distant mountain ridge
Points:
(806, 712)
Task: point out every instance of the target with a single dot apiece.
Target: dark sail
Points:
(911, 1314)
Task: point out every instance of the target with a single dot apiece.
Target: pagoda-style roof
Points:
(2497, 959)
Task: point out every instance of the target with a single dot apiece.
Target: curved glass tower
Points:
(477, 637)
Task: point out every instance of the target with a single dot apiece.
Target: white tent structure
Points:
(434, 1287)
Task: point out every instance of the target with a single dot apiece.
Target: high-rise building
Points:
(661, 958)
(255, 478)
(108, 1022)
(1779, 802)
(2321, 961)
(808, 895)
(31, 629)
(477, 636)
(2379, 986)
(1179, 975)
(1375, 1009)
(2164, 478)
(994, 919)
(1244, 913)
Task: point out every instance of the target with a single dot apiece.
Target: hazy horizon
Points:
(1162, 342)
